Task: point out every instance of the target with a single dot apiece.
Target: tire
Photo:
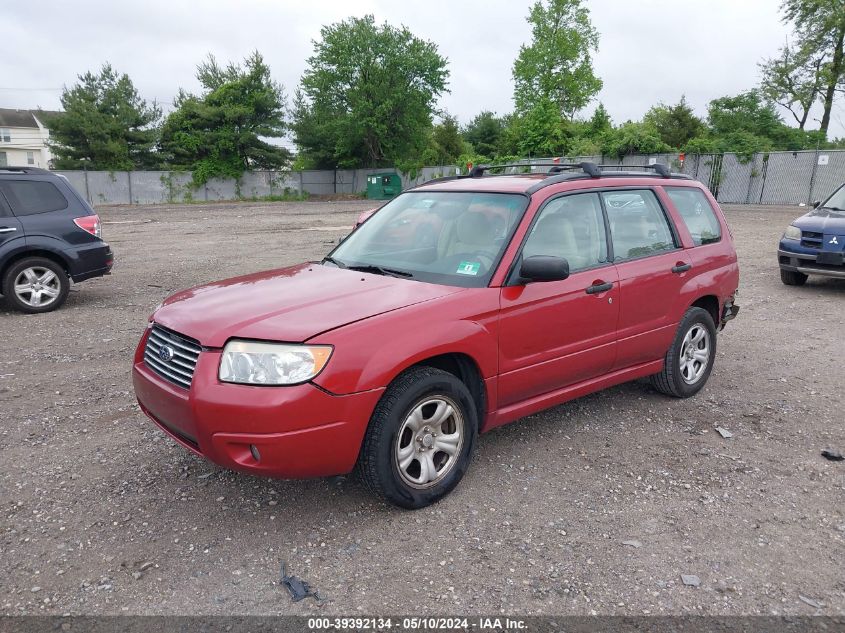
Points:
(685, 371)
(48, 282)
(401, 445)
(792, 277)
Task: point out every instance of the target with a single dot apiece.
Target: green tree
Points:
(793, 80)
(600, 123)
(820, 30)
(747, 123)
(105, 125)
(446, 142)
(221, 132)
(557, 66)
(484, 133)
(675, 124)
(368, 95)
(633, 138)
(537, 132)
(745, 112)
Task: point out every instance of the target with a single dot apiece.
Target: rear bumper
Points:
(808, 264)
(729, 311)
(91, 260)
(728, 314)
(298, 431)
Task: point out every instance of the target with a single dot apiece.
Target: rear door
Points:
(11, 229)
(652, 269)
(42, 208)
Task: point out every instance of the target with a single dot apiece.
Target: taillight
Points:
(90, 223)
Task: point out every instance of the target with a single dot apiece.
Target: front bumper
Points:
(808, 263)
(286, 432)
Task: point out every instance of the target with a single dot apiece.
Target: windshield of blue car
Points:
(450, 238)
(836, 202)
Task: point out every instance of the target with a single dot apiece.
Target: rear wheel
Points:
(689, 361)
(420, 439)
(792, 277)
(35, 285)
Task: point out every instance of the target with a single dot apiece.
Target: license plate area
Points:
(830, 259)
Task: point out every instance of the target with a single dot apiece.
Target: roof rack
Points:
(24, 170)
(588, 168)
(660, 168)
(560, 172)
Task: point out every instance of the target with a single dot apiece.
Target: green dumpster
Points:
(383, 186)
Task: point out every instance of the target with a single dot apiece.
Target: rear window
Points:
(697, 214)
(28, 197)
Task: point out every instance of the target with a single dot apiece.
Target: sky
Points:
(650, 50)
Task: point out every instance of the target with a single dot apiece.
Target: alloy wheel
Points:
(695, 354)
(429, 441)
(37, 286)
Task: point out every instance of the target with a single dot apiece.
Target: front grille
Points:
(180, 368)
(811, 239)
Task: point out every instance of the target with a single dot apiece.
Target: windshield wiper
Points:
(334, 261)
(380, 270)
(835, 209)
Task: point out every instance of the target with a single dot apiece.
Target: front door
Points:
(558, 333)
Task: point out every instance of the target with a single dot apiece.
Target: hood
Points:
(288, 305)
(822, 221)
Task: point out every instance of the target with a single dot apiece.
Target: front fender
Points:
(369, 354)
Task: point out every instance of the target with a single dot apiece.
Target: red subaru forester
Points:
(394, 352)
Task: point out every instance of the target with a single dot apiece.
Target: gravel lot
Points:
(102, 514)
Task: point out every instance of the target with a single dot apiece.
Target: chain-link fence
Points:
(772, 178)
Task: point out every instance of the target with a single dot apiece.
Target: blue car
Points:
(814, 243)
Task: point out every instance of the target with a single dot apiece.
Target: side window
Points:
(638, 225)
(697, 213)
(571, 227)
(28, 197)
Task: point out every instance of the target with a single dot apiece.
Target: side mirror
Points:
(817, 204)
(544, 268)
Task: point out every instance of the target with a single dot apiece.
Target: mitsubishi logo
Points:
(833, 240)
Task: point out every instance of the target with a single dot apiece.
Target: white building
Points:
(23, 138)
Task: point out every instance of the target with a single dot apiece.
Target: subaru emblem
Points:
(166, 353)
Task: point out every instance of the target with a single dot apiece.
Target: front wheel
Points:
(689, 361)
(420, 439)
(792, 277)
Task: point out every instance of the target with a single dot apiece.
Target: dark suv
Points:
(49, 236)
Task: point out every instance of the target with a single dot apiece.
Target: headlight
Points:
(792, 233)
(252, 363)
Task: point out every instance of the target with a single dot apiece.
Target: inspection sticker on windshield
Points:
(468, 268)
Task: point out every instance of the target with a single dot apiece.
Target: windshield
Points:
(836, 201)
(451, 238)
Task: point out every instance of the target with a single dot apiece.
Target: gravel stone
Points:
(561, 488)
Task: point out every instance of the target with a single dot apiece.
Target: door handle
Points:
(7, 229)
(681, 268)
(599, 287)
